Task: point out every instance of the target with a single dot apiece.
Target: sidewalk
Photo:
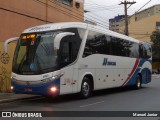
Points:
(9, 97)
(156, 75)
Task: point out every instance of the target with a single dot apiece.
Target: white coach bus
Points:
(73, 57)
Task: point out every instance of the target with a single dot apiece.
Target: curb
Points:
(155, 75)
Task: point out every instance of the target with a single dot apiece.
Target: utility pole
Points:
(125, 3)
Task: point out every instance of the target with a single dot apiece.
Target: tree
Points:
(155, 39)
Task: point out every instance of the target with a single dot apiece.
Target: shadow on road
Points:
(75, 97)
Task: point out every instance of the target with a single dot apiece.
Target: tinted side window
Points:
(94, 44)
(135, 50)
(66, 54)
(103, 44)
(141, 51)
(124, 48)
(145, 50)
(107, 45)
(113, 46)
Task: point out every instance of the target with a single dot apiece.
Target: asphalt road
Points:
(145, 99)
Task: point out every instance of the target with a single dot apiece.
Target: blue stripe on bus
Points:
(40, 89)
(146, 74)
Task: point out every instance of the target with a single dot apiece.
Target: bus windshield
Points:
(35, 53)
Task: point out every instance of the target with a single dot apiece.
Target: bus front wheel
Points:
(86, 88)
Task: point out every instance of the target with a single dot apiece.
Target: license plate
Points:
(28, 89)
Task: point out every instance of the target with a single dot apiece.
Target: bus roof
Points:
(63, 25)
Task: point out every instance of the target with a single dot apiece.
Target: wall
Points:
(12, 24)
(6, 67)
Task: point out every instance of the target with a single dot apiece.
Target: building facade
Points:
(17, 15)
(114, 23)
(142, 24)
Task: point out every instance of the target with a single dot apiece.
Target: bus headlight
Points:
(53, 89)
(11, 88)
(51, 79)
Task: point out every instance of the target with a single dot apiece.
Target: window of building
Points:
(135, 18)
(158, 25)
(66, 2)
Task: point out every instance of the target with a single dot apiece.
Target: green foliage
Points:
(155, 38)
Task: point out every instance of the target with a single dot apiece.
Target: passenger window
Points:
(146, 51)
(94, 44)
(66, 53)
(109, 45)
(141, 51)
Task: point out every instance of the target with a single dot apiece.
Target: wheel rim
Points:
(85, 89)
(138, 83)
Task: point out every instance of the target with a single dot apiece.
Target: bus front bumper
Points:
(38, 88)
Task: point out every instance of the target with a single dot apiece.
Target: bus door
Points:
(66, 67)
(68, 52)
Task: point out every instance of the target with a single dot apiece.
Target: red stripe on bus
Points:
(131, 74)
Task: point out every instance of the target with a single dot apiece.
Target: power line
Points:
(99, 18)
(103, 7)
(82, 12)
(60, 10)
(24, 15)
(95, 9)
(70, 14)
(129, 6)
(86, 17)
(144, 5)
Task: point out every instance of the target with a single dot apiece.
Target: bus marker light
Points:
(33, 36)
(24, 37)
(28, 36)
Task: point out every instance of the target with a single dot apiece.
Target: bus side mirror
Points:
(59, 37)
(5, 45)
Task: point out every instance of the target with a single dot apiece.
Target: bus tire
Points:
(86, 88)
(138, 84)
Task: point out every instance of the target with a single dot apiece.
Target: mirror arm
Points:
(5, 45)
(59, 37)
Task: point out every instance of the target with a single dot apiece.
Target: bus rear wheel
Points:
(138, 84)
(86, 88)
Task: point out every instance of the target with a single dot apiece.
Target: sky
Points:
(101, 11)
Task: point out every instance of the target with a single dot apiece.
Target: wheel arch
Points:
(91, 78)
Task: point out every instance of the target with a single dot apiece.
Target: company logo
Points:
(21, 114)
(106, 62)
(39, 28)
(6, 114)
